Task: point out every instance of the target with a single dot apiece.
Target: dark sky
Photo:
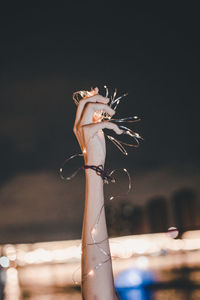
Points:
(48, 51)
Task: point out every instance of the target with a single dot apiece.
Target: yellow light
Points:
(93, 231)
(91, 273)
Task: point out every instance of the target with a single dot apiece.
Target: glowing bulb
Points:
(84, 150)
(93, 231)
(91, 273)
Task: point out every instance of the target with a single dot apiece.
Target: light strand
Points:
(102, 115)
(114, 102)
(93, 229)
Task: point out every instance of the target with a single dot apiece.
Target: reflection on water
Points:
(177, 295)
(169, 294)
(159, 295)
(180, 284)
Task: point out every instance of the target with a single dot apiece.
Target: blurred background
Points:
(50, 50)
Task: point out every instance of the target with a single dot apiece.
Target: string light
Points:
(91, 273)
(93, 231)
(101, 115)
(98, 116)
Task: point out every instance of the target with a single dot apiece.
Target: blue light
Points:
(134, 278)
(131, 283)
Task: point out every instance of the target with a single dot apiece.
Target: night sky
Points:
(49, 51)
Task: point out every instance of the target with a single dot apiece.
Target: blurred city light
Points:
(4, 261)
(121, 247)
(131, 283)
(53, 263)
